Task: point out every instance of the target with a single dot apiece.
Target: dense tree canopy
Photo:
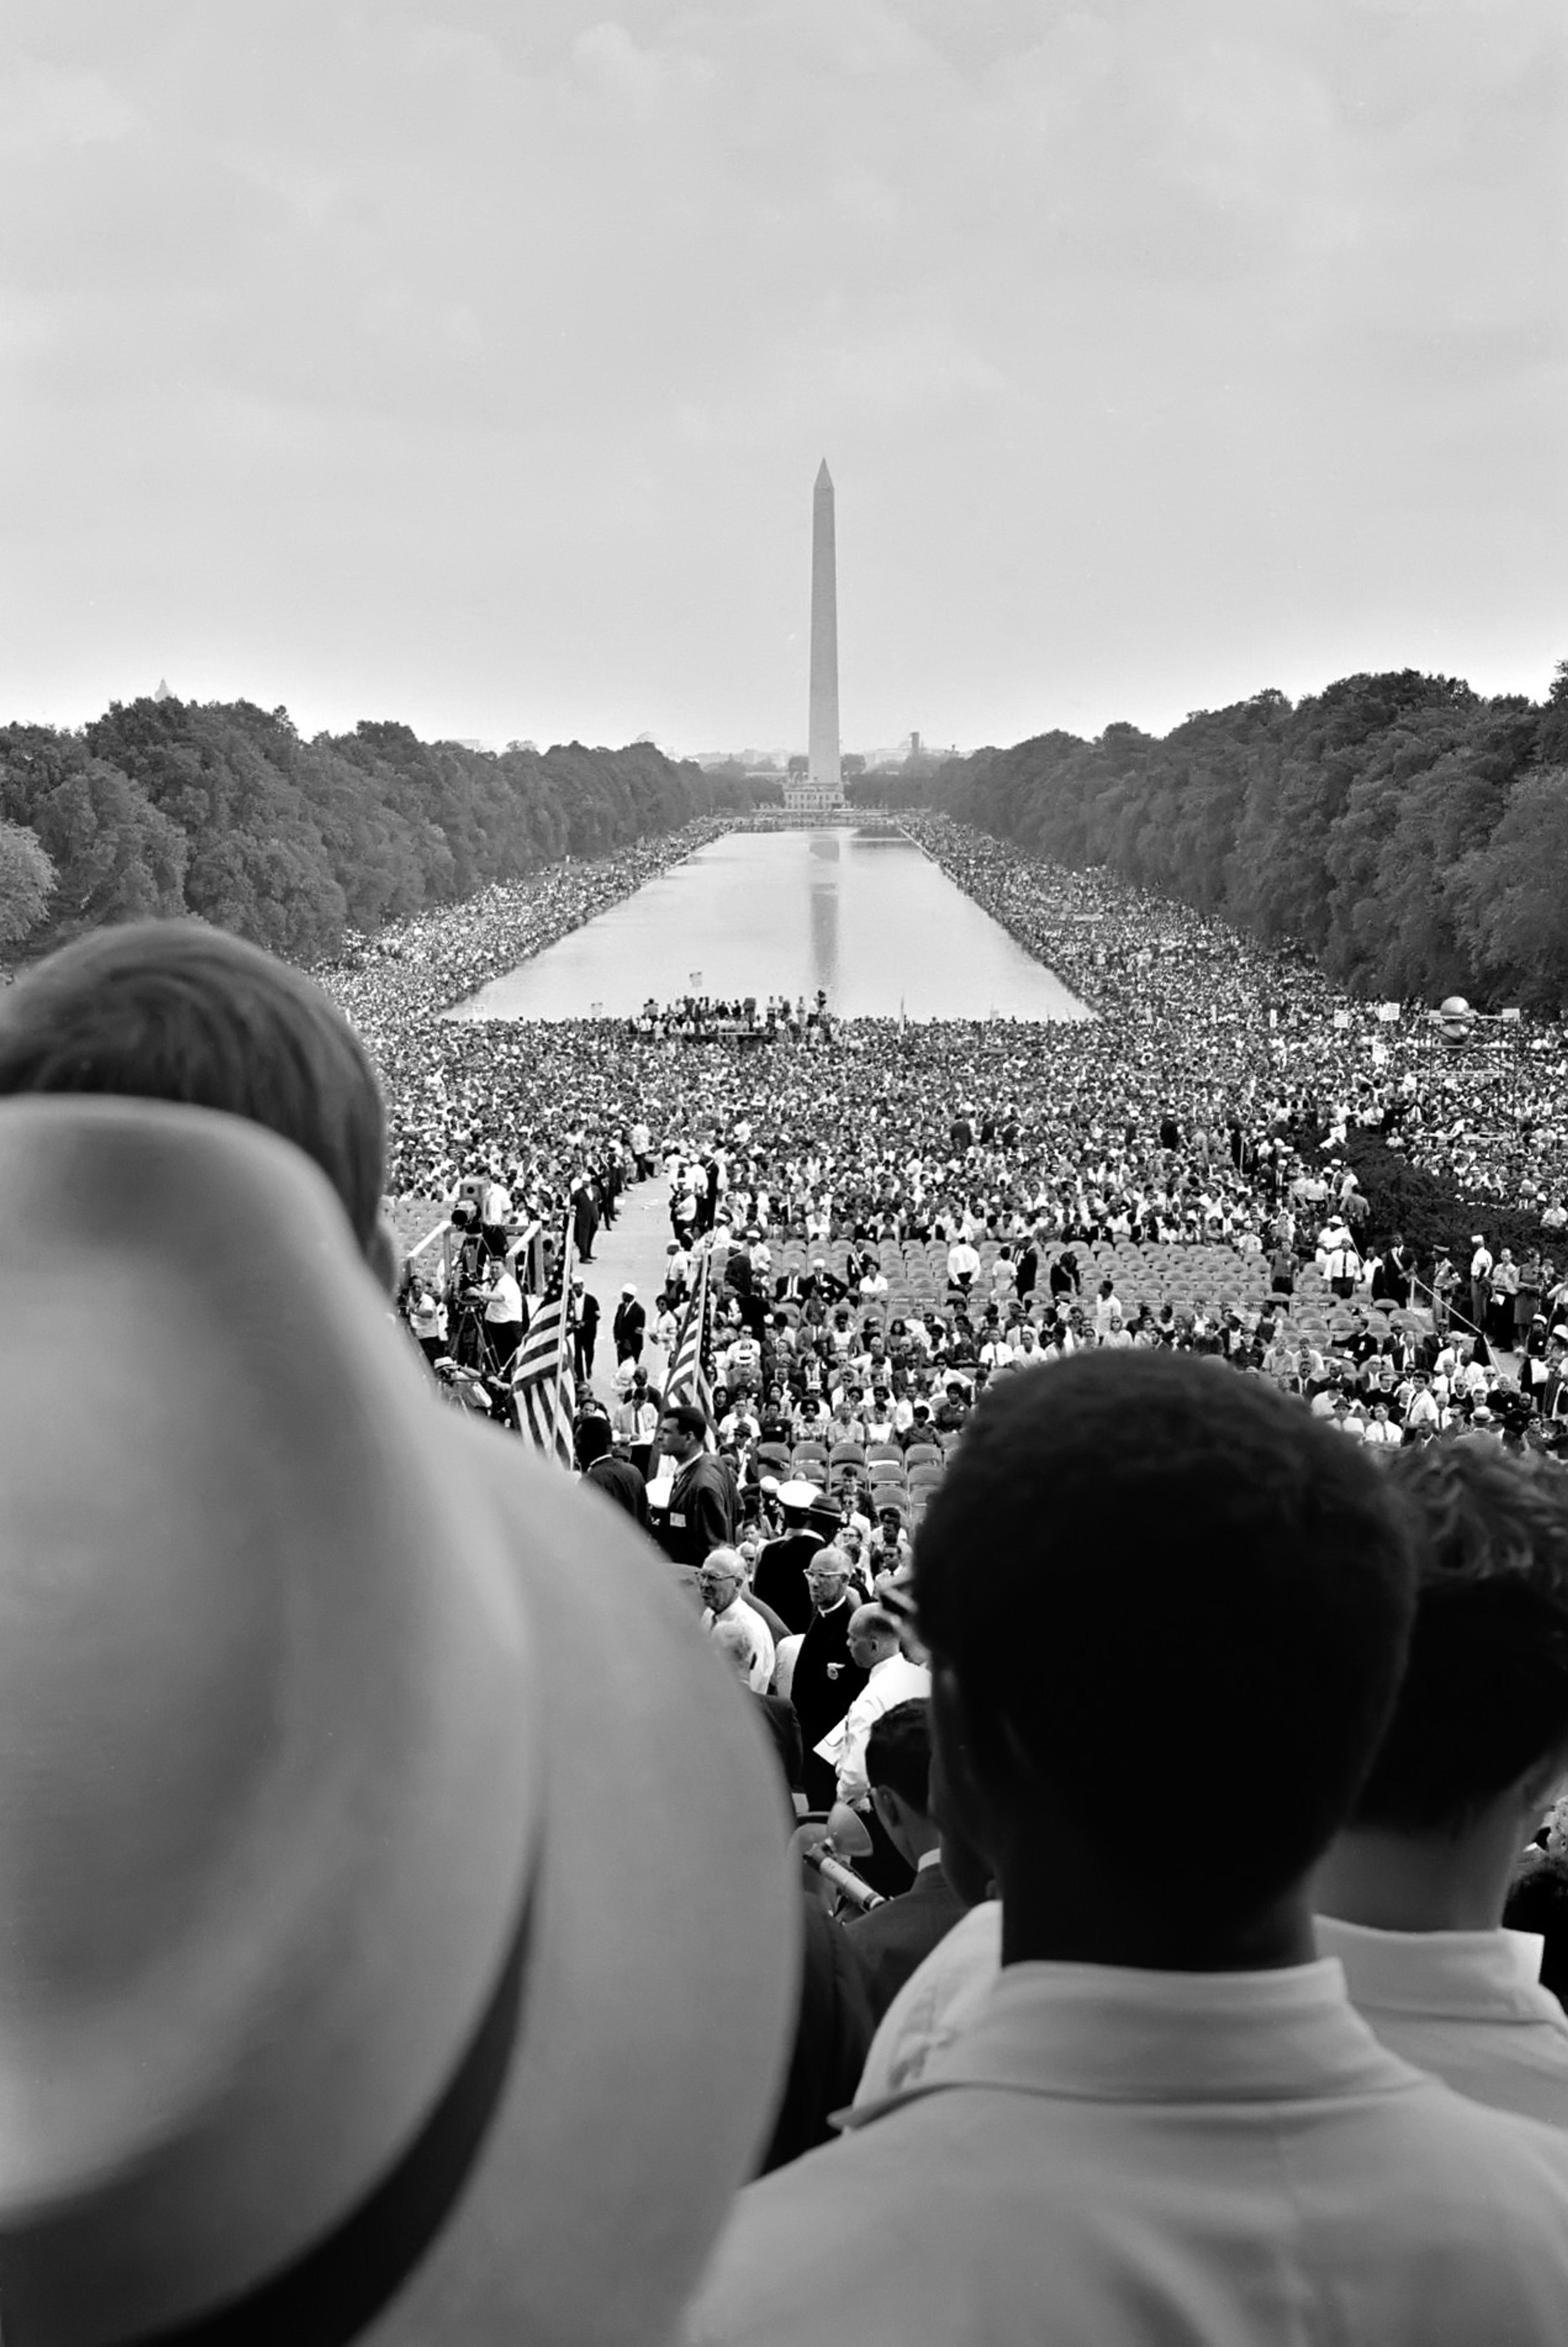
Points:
(27, 880)
(1410, 835)
(166, 806)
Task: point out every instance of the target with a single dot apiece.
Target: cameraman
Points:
(426, 1316)
(502, 1305)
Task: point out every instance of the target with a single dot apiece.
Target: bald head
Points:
(873, 1635)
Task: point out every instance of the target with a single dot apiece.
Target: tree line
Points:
(1406, 832)
(164, 807)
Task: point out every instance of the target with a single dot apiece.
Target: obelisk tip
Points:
(824, 478)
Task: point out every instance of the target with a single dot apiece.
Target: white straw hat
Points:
(339, 1966)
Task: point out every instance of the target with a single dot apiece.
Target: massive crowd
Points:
(1136, 1910)
(1179, 1145)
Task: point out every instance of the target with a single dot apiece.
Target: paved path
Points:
(634, 1248)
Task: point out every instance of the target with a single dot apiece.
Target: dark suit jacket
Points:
(779, 1579)
(891, 1940)
(703, 1497)
(832, 2038)
(620, 1481)
(825, 1684)
(780, 1720)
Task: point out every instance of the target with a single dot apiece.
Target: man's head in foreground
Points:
(1137, 1577)
(897, 1770)
(175, 1010)
(1478, 1741)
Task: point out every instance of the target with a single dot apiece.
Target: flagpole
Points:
(698, 1295)
(703, 1335)
(566, 1319)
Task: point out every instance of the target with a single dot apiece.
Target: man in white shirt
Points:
(873, 1648)
(1410, 1895)
(496, 1213)
(634, 1419)
(722, 1583)
(1480, 1266)
(1424, 1409)
(502, 1313)
(962, 1266)
(1342, 1265)
(1167, 2121)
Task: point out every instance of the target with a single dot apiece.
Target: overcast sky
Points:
(471, 362)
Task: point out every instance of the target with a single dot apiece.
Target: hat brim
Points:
(633, 1852)
(620, 2067)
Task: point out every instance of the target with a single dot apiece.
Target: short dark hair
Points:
(1486, 1692)
(897, 1753)
(175, 1010)
(594, 1440)
(1206, 1590)
(687, 1416)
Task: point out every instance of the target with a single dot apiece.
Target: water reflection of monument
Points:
(824, 864)
(820, 792)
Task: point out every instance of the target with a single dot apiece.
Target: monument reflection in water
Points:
(863, 916)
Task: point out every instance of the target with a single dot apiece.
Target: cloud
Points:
(1153, 343)
(46, 110)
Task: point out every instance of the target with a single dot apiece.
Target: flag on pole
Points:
(542, 1382)
(690, 1376)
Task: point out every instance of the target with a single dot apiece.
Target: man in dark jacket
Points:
(628, 1326)
(616, 1478)
(702, 1502)
(780, 1574)
(890, 1939)
(826, 1681)
(584, 1331)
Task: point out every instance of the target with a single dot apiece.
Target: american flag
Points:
(542, 1381)
(691, 1372)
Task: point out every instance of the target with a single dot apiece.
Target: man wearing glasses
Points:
(827, 1679)
(721, 1579)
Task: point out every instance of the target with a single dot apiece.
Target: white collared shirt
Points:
(759, 1672)
(939, 1999)
(1468, 2007)
(1129, 2158)
(892, 1680)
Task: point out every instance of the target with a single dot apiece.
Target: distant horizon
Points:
(883, 752)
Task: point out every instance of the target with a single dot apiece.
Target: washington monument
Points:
(823, 791)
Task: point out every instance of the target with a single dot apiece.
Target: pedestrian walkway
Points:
(635, 1247)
